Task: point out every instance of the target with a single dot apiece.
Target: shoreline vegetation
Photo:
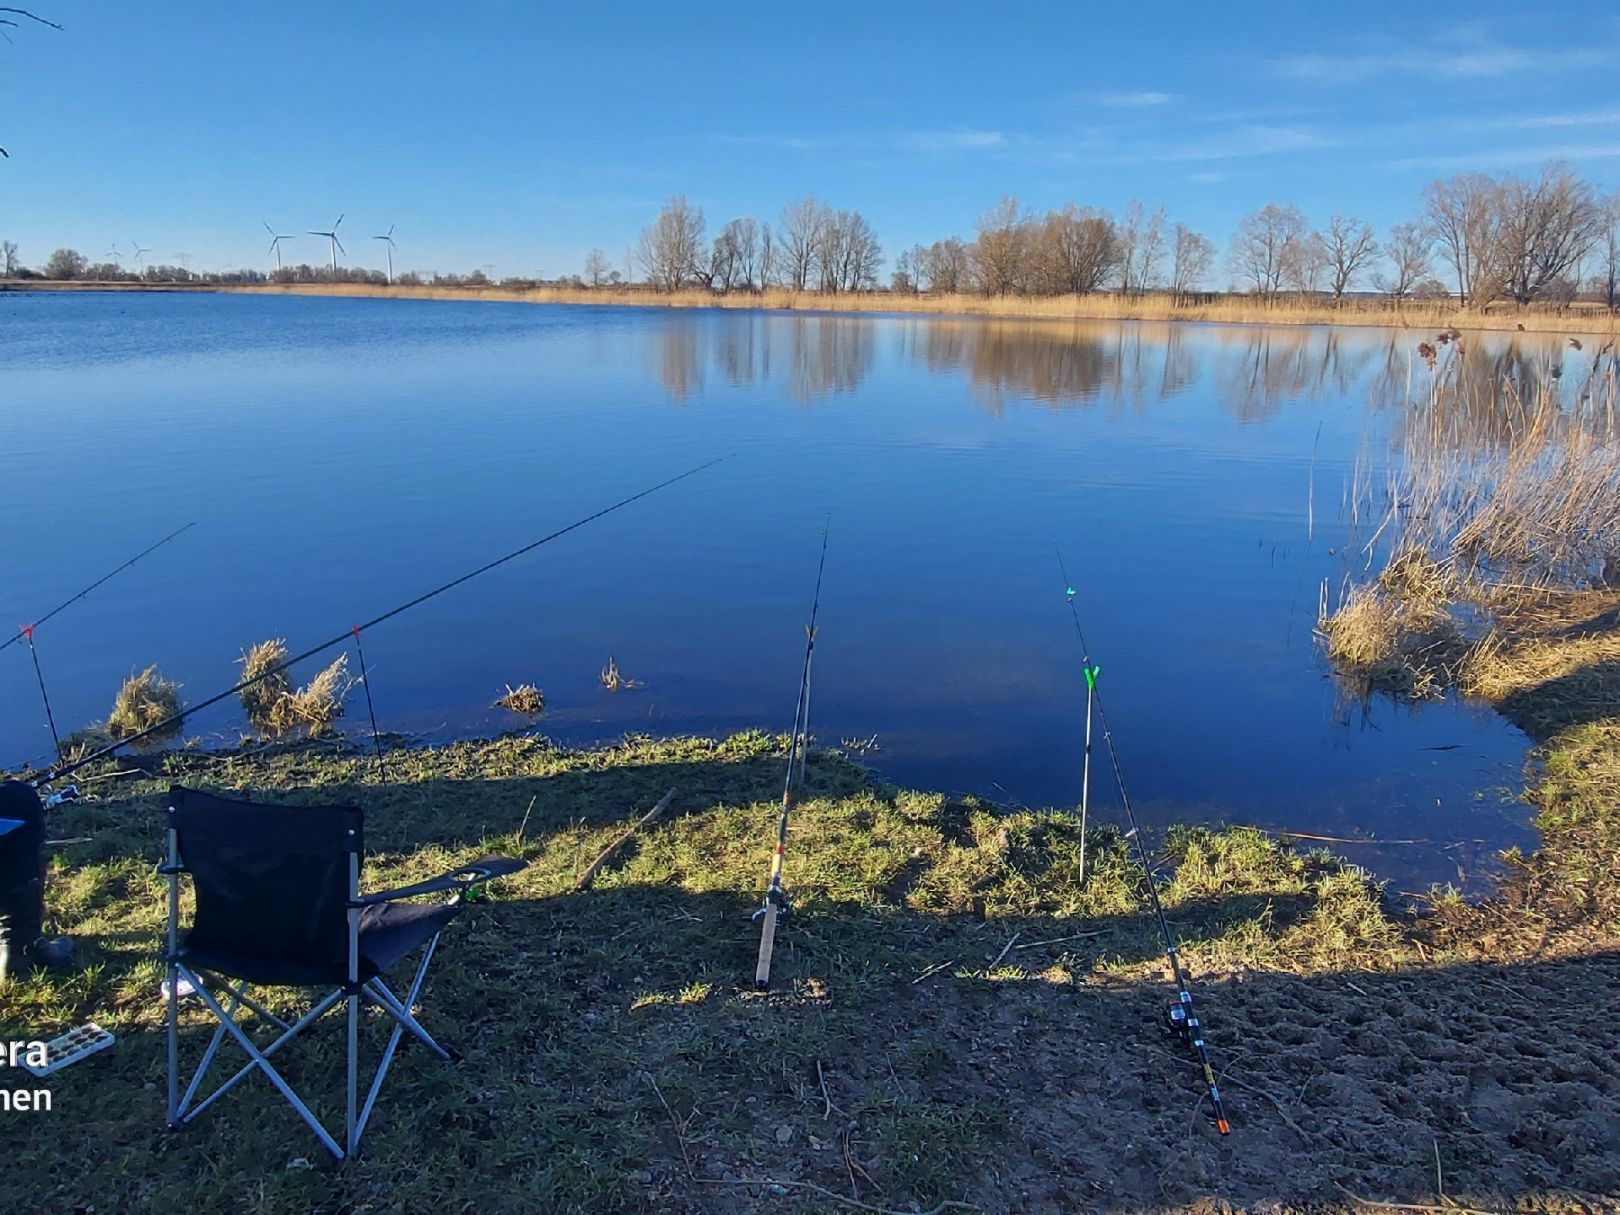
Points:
(952, 996)
(1508, 252)
(959, 1012)
(1581, 319)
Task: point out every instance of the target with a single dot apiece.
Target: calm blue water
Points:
(340, 456)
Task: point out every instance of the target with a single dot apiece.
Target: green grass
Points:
(612, 1036)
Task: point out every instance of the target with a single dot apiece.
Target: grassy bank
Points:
(959, 1018)
(1585, 320)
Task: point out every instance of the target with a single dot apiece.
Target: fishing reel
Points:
(783, 906)
(70, 794)
(1175, 1021)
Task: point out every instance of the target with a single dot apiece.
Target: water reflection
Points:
(810, 357)
(1254, 372)
(1166, 457)
(1021, 361)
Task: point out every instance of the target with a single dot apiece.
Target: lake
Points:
(341, 456)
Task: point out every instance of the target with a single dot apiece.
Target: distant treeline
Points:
(1477, 240)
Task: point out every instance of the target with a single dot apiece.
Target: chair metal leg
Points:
(172, 1015)
(271, 1074)
(202, 1068)
(404, 1023)
(319, 1010)
(400, 1010)
(352, 1076)
(172, 1012)
(259, 1010)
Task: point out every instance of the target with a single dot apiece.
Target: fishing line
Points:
(1182, 1015)
(776, 903)
(28, 632)
(70, 602)
(371, 711)
(354, 630)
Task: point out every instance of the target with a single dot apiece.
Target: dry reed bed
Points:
(1418, 316)
(275, 708)
(1504, 575)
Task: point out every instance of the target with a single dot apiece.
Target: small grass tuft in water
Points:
(613, 681)
(525, 699)
(275, 708)
(317, 705)
(259, 701)
(1397, 635)
(144, 700)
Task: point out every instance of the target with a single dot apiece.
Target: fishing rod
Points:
(354, 631)
(1182, 1016)
(776, 901)
(25, 631)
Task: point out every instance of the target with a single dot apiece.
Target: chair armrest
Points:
(486, 869)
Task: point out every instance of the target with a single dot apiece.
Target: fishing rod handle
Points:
(767, 945)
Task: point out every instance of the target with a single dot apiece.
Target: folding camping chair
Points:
(278, 904)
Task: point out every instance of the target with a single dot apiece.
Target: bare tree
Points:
(1305, 265)
(769, 256)
(1266, 247)
(1347, 247)
(831, 251)
(1141, 241)
(1076, 251)
(8, 258)
(1546, 227)
(904, 279)
(847, 253)
(1607, 281)
(596, 267)
(1407, 254)
(801, 237)
(743, 236)
(731, 263)
(944, 266)
(1191, 256)
(1001, 253)
(1463, 215)
(66, 263)
(672, 245)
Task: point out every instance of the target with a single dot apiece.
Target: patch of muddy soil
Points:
(1039, 1097)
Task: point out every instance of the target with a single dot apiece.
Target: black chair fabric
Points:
(272, 887)
(272, 882)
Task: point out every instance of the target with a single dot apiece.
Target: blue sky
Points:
(522, 134)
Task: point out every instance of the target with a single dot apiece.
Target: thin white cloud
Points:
(1147, 97)
(1483, 62)
(956, 139)
(961, 139)
(1253, 139)
(787, 143)
(1204, 179)
(1512, 156)
(1590, 118)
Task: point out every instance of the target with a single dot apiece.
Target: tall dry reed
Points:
(1500, 489)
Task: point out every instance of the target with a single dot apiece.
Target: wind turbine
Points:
(275, 242)
(117, 257)
(388, 239)
(336, 243)
(140, 257)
